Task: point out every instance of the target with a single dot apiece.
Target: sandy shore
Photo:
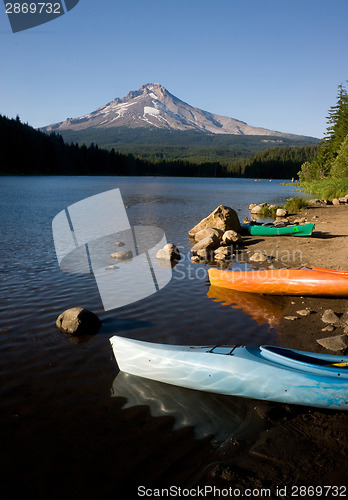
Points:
(327, 247)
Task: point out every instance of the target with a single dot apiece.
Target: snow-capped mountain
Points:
(152, 106)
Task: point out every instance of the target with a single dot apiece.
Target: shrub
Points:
(296, 204)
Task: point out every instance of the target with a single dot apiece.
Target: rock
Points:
(222, 217)
(222, 253)
(317, 201)
(256, 209)
(78, 321)
(119, 244)
(290, 318)
(169, 252)
(280, 222)
(195, 259)
(108, 268)
(205, 254)
(258, 257)
(304, 312)
(344, 319)
(329, 317)
(302, 220)
(328, 328)
(123, 255)
(337, 343)
(281, 212)
(229, 237)
(210, 231)
(342, 200)
(345, 330)
(208, 243)
(335, 201)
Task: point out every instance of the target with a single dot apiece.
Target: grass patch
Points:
(296, 204)
(327, 189)
(268, 211)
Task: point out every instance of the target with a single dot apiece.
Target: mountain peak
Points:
(153, 106)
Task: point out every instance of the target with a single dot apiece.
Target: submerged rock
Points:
(123, 255)
(78, 321)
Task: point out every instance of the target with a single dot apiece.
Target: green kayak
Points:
(254, 228)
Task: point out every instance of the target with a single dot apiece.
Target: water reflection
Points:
(262, 308)
(209, 414)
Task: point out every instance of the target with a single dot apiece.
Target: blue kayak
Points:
(266, 372)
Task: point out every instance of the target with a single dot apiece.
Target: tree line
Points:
(27, 151)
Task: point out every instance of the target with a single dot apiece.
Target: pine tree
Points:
(338, 123)
(340, 165)
(329, 147)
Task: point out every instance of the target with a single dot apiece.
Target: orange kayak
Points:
(283, 281)
(335, 271)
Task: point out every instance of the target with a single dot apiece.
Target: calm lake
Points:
(70, 422)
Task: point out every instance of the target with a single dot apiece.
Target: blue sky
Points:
(271, 63)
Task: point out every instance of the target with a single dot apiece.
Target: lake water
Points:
(64, 424)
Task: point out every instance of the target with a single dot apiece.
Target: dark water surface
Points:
(63, 426)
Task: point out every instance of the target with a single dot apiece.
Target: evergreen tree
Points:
(329, 147)
(340, 165)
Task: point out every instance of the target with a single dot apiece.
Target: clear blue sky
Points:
(271, 63)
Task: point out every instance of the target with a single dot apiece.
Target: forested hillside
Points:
(26, 151)
(169, 145)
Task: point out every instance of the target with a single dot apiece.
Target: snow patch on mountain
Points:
(151, 111)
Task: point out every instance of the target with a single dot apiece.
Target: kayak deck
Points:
(283, 281)
(256, 229)
(266, 372)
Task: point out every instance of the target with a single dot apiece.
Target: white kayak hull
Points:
(266, 373)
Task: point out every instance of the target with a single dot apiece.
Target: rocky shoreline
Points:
(218, 239)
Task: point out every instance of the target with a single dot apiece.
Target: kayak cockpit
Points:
(306, 359)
